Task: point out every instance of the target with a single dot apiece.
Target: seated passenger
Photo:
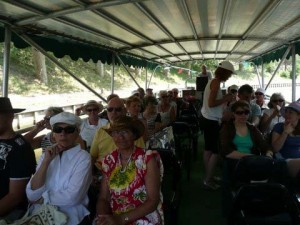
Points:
(45, 140)
(260, 99)
(17, 164)
(130, 187)
(166, 110)
(92, 123)
(103, 143)
(152, 116)
(286, 136)
(245, 93)
(240, 138)
(272, 115)
(63, 174)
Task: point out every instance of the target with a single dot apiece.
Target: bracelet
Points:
(126, 219)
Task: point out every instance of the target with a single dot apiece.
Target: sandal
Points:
(210, 186)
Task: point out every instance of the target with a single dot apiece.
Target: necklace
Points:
(123, 170)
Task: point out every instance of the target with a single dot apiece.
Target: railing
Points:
(276, 85)
(24, 121)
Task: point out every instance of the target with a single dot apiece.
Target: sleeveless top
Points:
(165, 116)
(211, 113)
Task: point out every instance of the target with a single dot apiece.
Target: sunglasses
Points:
(258, 93)
(116, 109)
(120, 133)
(165, 96)
(277, 100)
(92, 110)
(245, 112)
(68, 129)
(233, 91)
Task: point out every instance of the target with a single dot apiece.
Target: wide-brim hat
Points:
(227, 66)
(92, 103)
(5, 106)
(295, 106)
(127, 123)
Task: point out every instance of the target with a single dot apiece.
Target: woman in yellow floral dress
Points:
(130, 188)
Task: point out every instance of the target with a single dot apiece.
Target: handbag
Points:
(45, 214)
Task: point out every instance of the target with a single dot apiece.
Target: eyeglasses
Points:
(68, 129)
(277, 100)
(258, 93)
(92, 110)
(245, 112)
(47, 118)
(116, 109)
(120, 133)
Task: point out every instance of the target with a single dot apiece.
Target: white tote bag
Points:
(45, 214)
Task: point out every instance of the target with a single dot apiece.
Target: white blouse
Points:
(67, 182)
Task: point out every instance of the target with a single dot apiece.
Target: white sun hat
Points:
(227, 66)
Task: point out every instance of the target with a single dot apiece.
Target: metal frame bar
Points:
(6, 60)
(223, 24)
(113, 64)
(158, 24)
(293, 73)
(263, 16)
(283, 57)
(54, 60)
(188, 15)
(122, 63)
(278, 31)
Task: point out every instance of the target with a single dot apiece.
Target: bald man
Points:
(103, 143)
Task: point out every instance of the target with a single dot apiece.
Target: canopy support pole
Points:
(293, 72)
(112, 84)
(283, 57)
(262, 74)
(258, 76)
(54, 60)
(6, 60)
(120, 60)
(146, 78)
(152, 75)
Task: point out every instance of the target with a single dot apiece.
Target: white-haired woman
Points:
(166, 109)
(92, 123)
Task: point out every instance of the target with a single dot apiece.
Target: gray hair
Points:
(275, 96)
(54, 110)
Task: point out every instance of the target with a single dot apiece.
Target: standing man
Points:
(17, 164)
(205, 73)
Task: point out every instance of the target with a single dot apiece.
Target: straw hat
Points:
(92, 103)
(127, 123)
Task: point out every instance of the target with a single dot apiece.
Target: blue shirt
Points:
(291, 146)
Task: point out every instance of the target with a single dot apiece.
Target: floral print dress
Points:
(127, 186)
